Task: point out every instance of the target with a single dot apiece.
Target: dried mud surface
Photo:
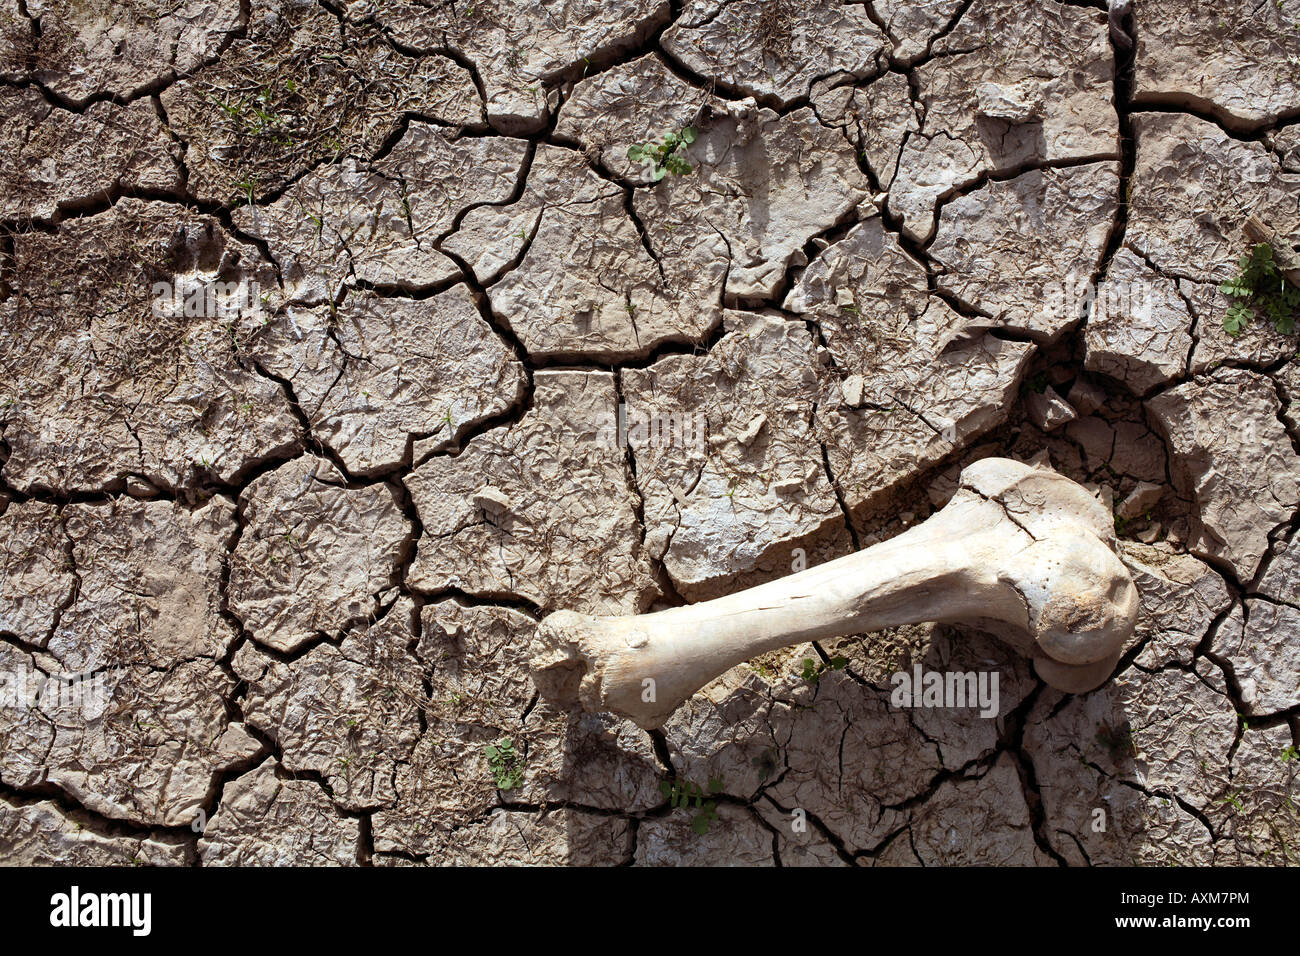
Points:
(300, 541)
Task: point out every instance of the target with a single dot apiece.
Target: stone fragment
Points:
(1150, 534)
(1144, 496)
(851, 391)
(1019, 103)
(1047, 410)
(492, 499)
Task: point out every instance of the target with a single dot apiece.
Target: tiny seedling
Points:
(1260, 288)
(1289, 753)
(247, 186)
(507, 766)
(1118, 741)
(661, 155)
(1234, 799)
(1037, 384)
(765, 764)
(680, 794)
(813, 671)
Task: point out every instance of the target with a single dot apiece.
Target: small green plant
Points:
(765, 764)
(1289, 753)
(680, 793)
(1260, 288)
(247, 186)
(507, 766)
(1118, 741)
(813, 671)
(1037, 384)
(661, 155)
(1234, 799)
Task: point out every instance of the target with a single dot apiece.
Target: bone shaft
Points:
(924, 577)
(884, 586)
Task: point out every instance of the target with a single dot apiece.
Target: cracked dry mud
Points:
(295, 543)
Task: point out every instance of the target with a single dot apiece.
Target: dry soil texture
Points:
(340, 341)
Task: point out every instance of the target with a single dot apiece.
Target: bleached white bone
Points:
(1019, 551)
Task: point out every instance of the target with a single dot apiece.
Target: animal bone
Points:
(1019, 551)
